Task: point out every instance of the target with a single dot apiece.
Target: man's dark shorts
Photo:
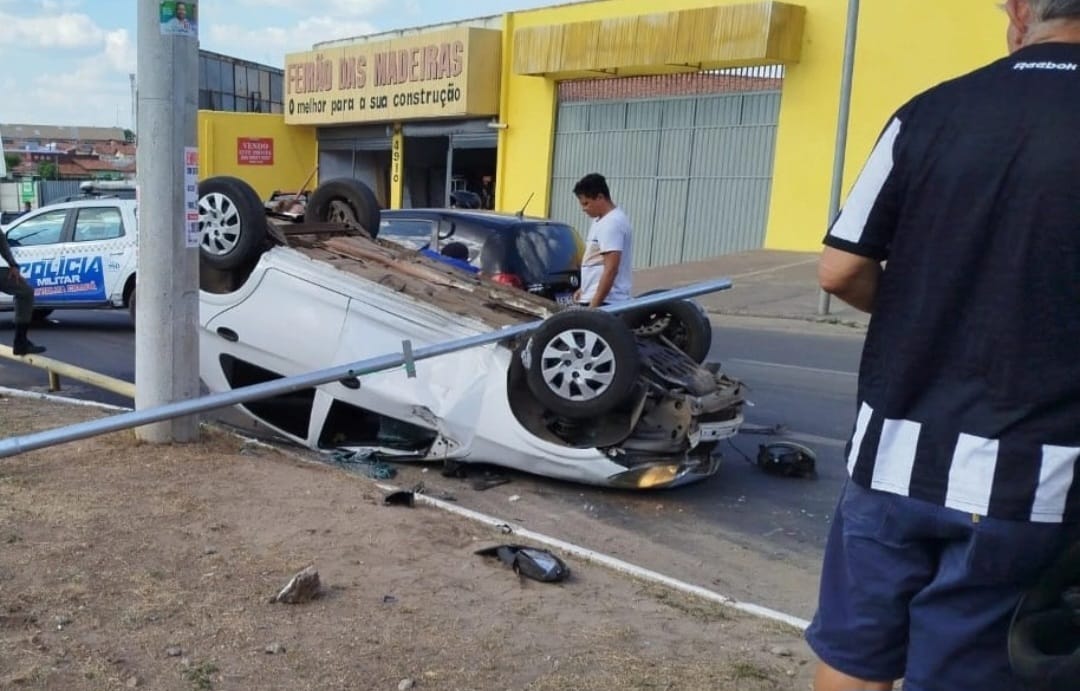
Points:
(918, 591)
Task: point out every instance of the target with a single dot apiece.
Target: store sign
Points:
(255, 151)
(451, 73)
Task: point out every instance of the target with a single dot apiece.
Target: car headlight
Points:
(647, 477)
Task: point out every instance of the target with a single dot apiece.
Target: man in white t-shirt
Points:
(607, 264)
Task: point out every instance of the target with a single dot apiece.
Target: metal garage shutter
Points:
(694, 173)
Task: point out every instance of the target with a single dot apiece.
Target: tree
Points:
(129, 136)
(13, 161)
(47, 170)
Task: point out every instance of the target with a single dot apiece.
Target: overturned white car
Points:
(587, 396)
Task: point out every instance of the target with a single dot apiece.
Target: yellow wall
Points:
(295, 150)
(904, 46)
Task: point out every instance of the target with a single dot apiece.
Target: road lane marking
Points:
(777, 365)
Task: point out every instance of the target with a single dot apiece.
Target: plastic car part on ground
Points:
(787, 459)
(531, 562)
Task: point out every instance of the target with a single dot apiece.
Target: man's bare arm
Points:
(607, 279)
(850, 277)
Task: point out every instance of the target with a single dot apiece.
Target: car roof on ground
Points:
(487, 218)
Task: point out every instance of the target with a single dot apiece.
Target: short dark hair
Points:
(455, 250)
(592, 186)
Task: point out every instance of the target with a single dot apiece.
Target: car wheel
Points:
(346, 201)
(682, 322)
(232, 223)
(581, 363)
(39, 316)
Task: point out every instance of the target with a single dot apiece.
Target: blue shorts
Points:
(921, 592)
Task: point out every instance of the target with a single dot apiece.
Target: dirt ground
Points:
(126, 565)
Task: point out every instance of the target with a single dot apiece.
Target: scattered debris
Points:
(274, 649)
(516, 497)
(453, 469)
(482, 484)
(531, 562)
(366, 462)
(444, 496)
(400, 498)
(781, 651)
(210, 550)
(406, 684)
(132, 682)
(389, 599)
(174, 651)
(302, 587)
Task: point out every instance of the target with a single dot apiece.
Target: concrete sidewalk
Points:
(765, 283)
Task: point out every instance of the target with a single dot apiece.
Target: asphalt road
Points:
(99, 340)
(801, 382)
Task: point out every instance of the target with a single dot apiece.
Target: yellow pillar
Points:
(397, 168)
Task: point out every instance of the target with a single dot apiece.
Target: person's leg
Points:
(960, 622)
(828, 679)
(875, 563)
(23, 296)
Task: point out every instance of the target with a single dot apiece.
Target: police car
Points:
(78, 254)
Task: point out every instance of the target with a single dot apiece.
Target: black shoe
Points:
(24, 346)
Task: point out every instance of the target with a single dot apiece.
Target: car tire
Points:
(232, 223)
(682, 322)
(581, 363)
(347, 201)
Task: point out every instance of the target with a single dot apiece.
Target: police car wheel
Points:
(232, 223)
(581, 363)
(345, 201)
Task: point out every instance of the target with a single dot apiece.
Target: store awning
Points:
(759, 33)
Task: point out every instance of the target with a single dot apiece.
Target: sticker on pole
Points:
(191, 195)
(179, 18)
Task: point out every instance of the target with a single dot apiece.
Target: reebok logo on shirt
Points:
(1062, 66)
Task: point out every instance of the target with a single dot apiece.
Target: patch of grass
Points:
(201, 675)
(742, 670)
(698, 608)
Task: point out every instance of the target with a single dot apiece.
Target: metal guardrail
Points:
(30, 442)
(57, 369)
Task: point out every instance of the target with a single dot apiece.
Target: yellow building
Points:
(714, 120)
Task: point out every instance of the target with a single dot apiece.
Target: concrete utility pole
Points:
(166, 336)
(840, 154)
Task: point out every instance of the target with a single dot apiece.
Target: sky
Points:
(66, 62)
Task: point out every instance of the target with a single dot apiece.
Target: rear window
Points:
(549, 248)
(410, 232)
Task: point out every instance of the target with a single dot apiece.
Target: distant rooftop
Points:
(61, 133)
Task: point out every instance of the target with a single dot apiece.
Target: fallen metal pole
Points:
(38, 440)
(55, 367)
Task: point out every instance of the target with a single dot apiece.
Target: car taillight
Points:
(509, 280)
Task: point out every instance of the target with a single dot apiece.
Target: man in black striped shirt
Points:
(965, 458)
